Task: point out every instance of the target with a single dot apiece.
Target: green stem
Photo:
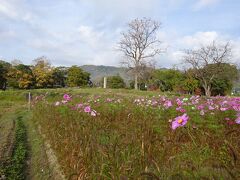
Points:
(191, 137)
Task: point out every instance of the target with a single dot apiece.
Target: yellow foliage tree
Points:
(43, 72)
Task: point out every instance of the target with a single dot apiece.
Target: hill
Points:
(98, 72)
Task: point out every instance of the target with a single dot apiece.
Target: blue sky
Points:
(87, 31)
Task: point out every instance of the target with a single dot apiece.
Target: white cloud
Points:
(6, 34)
(199, 38)
(118, 11)
(174, 54)
(90, 37)
(16, 10)
(93, 47)
(236, 50)
(7, 9)
(204, 3)
(82, 45)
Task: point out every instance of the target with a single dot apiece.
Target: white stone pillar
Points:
(105, 82)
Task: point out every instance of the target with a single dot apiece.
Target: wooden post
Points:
(105, 82)
(29, 101)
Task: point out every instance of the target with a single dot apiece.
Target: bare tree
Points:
(139, 45)
(16, 62)
(207, 62)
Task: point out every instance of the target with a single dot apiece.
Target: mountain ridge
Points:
(99, 71)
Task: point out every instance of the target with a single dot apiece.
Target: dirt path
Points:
(7, 137)
(40, 163)
(7, 140)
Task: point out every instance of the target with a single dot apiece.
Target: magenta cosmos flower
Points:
(180, 121)
(80, 105)
(87, 109)
(66, 97)
(168, 104)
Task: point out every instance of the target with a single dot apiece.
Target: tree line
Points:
(209, 67)
(185, 82)
(41, 75)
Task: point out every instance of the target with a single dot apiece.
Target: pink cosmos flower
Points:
(66, 97)
(64, 101)
(180, 121)
(178, 108)
(109, 100)
(87, 109)
(238, 119)
(179, 102)
(168, 104)
(182, 110)
(154, 103)
(200, 107)
(79, 105)
(236, 107)
(211, 108)
(93, 113)
(223, 109)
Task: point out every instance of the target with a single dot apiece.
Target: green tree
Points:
(221, 87)
(223, 82)
(4, 67)
(168, 80)
(190, 83)
(77, 77)
(59, 76)
(115, 82)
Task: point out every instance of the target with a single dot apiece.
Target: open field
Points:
(120, 134)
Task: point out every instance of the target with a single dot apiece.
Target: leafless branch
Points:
(140, 44)
(207, 61)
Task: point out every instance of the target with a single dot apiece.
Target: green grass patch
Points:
(15, 168)
(38, 168)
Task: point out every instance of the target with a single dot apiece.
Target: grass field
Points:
(119, 134)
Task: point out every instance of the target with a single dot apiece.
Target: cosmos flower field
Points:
(125, 136)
